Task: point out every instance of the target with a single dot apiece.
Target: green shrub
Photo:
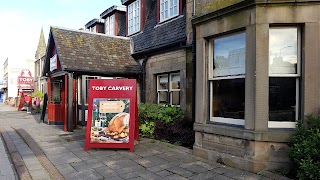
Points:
(305, 148)
(37, 94)
(166, 123)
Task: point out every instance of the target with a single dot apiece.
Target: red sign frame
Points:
(117, 98)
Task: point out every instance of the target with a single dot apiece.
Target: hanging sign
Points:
(53, 63)
(25, 80)
(112, 114)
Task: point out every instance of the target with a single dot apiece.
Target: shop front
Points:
(74, 58)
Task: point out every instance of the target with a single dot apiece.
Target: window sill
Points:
(272, 135)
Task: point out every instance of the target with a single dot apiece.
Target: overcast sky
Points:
(21, 22)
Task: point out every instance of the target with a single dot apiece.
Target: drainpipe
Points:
(193, 69)
(143, 83)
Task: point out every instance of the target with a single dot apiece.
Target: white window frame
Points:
(110, 25)
(169, 89)
(134, 17)
(170, 6)
(211, 78)
(281, 124)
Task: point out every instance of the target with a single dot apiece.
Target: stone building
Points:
(40, 81)
(158, 33)
(257, 69)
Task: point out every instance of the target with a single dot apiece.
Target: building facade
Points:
(12, 72)
(40, 81)
(257, 65)
(158, 33)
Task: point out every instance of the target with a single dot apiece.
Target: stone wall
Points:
(173, 61)
(241, 153)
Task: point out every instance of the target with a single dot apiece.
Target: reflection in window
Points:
(284, 72)
(283, 55)
(168, 89)
(227, 81)
(229, 55)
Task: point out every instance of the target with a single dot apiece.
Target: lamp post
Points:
(284, 48)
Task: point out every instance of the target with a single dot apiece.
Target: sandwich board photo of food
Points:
(110, 120)
(112, 117)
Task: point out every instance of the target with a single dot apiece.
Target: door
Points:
(56, 101)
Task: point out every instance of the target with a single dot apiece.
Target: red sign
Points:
(25, 80)
(112, 114)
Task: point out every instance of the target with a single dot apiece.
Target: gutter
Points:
(143, 83)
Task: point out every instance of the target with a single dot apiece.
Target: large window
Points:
(168, 9)
(227, 78)
(284, 77)
(109, 25)
(134, 17)
(168, 89)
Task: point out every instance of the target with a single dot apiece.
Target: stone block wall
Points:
(173, 61)
(244, 154)
(254, 146)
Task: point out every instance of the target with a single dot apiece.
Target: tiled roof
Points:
(112, 9)
(93, 52)
(124, 1)
(156, 35)
(93, 22)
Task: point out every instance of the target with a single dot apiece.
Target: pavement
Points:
(33, 150)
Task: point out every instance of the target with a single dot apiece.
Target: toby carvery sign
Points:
(25, 80)
(112, 110)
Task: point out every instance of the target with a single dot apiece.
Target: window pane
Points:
(163, 82)
(229, 55)
(175, 10)
(283, 53)
(282, 99)
(175, 98)
(228, 98)
(163, 97)
(175, 81)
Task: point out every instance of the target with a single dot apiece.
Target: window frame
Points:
(162, 11)
(110, 25)
(297, 75)
(211, 79)
(169, 89)
(134, 17)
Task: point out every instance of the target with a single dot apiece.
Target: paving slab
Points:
(64, 152)
(6, 167)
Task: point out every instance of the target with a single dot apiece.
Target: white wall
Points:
(14, 70)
